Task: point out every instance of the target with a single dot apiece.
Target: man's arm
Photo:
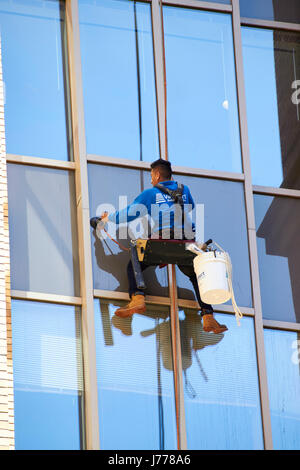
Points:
(138, 208)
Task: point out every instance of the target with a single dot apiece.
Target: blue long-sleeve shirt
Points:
(160, 207)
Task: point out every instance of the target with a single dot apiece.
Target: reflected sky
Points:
(35, 104)
(271, 65)
(48, 376)
(221, 390)
(283, 358)
(135, 379)
(203, 127)
(118, 79)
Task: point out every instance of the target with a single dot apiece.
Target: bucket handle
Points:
(238, 313)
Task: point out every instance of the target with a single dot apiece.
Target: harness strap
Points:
(175, 194)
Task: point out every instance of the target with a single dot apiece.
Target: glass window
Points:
(34, 71)
(43, 230)
(48, 377)
(272, 81)
(202, 115)
(279, 10)
(135, 379)
(221, 393)
(277, 230)
(118, 187)
(118, 79)
(283, 357)
(224, 222)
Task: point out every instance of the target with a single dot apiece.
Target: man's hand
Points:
(104, 217)
(101, 223)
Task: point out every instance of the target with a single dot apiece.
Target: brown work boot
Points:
(136, 305)
(210, 324)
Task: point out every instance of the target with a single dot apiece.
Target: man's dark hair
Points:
(164, 167)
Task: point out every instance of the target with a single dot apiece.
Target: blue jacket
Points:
(158, 206)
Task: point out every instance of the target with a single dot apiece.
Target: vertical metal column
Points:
(81, 181)
(259, 333)
(160, 76)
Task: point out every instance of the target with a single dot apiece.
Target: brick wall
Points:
(6, 371)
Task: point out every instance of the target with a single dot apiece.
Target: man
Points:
(161, 174)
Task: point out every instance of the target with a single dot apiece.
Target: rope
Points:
(238, 313)
(165, 77)
(115, 241)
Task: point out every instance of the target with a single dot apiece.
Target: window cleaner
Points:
(213, 270)
(160, 248)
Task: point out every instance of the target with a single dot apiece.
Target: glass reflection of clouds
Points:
(221, 385)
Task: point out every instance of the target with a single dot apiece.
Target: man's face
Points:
(154, 176)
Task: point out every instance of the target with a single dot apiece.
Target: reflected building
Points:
(91, 92)
(287, 70)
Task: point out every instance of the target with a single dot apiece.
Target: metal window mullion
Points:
(258, 320)
(281, 192)
(200, 5)
(222, 308)
(282, 325)
(40, 161)
(269, 24)
(45, 297)
(81, 184)
(181, 170)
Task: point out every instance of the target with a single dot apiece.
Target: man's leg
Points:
(132, 287)
(209, 323)
(137, 302)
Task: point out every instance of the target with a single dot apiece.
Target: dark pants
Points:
(187, 270)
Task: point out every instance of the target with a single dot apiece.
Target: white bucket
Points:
(212, 276)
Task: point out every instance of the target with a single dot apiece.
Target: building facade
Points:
(91, 92)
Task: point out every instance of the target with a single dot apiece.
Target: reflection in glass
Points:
(34, 71)
(278, 10)
(43, 230)
(224, 222)
(48, 376)
(283, 357)
(277, 230)
(272, 74)
(202, 115)
(118, 79)
(135, 379)
(106, 185)
(221, 393)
